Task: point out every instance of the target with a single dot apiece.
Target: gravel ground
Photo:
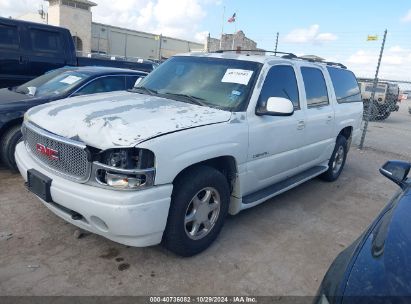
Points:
(282, 247)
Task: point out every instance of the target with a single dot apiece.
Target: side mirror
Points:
(277, 106)
(397, 171)
(139, 79)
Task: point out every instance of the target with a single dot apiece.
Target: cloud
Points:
(407, 17)
(309, 35)
(12, 8)
(395, 63)
(177, 18)
(324, 37)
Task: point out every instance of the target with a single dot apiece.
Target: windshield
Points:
(379, 89)
(214, 82)
(54, 83)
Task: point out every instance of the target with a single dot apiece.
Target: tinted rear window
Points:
(9, 36)
(42, 40)
(345, 85)
(315, 87)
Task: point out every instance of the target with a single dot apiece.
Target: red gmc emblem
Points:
(49, 152)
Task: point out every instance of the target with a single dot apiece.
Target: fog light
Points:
(122, 181)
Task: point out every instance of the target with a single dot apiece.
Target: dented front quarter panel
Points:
(121, 119)
(179, 150)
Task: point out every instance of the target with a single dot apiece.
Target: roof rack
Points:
(286, 55)
(335, 64)
(291, 55)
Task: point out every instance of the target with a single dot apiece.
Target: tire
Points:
(337, 161)
(180, 236)
(8, 143)
(384, 116)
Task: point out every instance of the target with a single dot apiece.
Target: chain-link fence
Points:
(387, 121)
(389, 118)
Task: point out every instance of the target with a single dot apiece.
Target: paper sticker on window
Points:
(237, 76)
(70, 79)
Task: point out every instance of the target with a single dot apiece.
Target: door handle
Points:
(329, 118)
(300, 125)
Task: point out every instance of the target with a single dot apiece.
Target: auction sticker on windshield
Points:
(70, 79)
(237, 76)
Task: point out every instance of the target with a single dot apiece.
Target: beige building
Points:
(108, 39)
(236, 41)
(92, 37)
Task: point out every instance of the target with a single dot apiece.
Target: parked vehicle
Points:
(28, 50)
(386, 98)
(375, 268)
(201, 136)
(61, 83)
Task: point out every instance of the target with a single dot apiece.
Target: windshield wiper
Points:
(147, 90)
(191, 98)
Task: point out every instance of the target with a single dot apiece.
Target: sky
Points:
(334, 30)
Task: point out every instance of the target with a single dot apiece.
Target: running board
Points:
(264, 194)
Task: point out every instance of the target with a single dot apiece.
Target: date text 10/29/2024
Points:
(204, 299)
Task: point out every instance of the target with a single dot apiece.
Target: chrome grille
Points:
(72, 159)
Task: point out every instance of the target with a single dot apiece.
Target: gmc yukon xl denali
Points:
(203, 135)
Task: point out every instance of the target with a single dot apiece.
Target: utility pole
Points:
(159, 47)
(374, 87)
(208, 43)
(276, 44)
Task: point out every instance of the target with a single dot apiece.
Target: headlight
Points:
(124, 169)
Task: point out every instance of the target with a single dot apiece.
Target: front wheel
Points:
(337, 160)
(199, 205)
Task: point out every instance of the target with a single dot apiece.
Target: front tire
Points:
(8, 143)
(199, 205)
(337, 160)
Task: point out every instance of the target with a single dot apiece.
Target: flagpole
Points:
(222, 27)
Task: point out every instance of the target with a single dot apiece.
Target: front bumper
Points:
(135, 218)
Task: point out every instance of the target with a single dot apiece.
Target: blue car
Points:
(58, 84)
(376, 268)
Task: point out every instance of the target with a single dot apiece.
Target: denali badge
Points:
(49, 152)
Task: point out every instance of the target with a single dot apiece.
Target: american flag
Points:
(232, 19)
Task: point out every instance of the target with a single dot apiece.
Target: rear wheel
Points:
(8, 143)
(384, 115)
(337, 160)
(198, 209)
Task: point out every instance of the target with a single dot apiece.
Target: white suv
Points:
(203, 135)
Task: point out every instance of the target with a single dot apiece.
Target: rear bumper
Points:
(135, 218)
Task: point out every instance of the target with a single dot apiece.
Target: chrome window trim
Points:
(63, 140)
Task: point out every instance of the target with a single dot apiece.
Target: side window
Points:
(45, 41)
(9, 36)
(280, 82)
(345, 85)
(315, 87)
(104, 84)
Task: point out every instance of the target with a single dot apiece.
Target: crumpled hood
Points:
(120, 118)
